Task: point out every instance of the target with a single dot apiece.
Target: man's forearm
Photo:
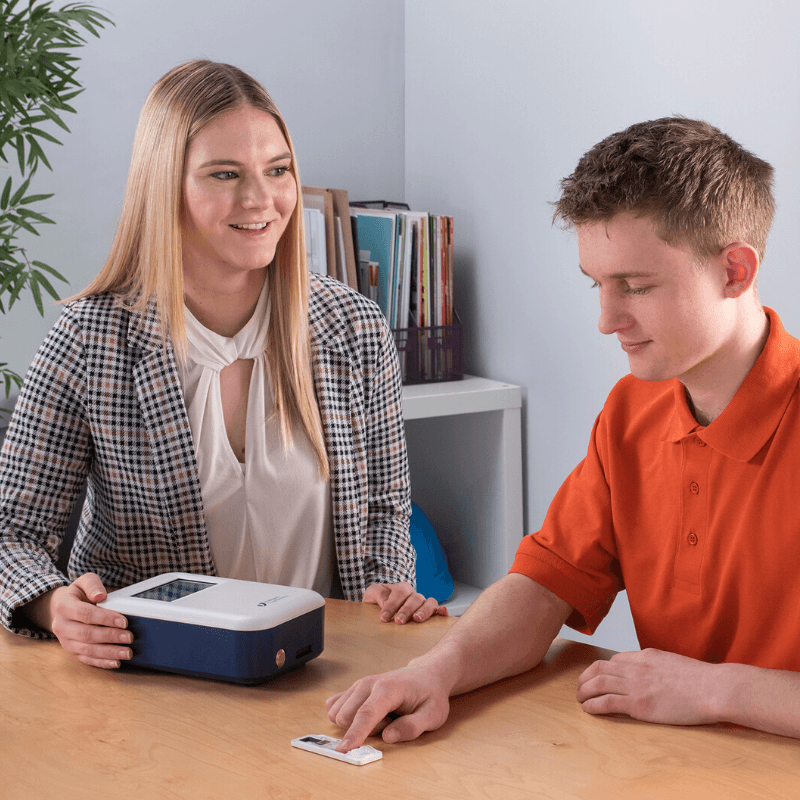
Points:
(765, 699)
(506, 631)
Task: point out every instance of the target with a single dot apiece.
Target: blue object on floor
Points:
(433, 576)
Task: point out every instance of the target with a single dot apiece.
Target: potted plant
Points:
(37, 83)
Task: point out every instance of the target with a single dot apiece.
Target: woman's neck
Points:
(223, 307)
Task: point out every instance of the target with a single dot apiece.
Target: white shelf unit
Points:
(465, 454)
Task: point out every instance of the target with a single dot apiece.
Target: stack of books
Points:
(401, 259)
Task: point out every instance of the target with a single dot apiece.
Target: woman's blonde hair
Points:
(145, 262)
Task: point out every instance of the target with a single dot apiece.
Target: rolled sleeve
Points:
(574, 553)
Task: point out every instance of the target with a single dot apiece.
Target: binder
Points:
(322, 199)
(316, 245)
(376, 233)
(341, 211)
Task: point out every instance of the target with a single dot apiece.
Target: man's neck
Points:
(709, 392)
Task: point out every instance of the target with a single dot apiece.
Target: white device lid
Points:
(212, 601)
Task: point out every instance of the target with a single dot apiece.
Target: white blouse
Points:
(268, 519)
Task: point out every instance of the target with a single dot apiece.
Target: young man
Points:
(687, 496)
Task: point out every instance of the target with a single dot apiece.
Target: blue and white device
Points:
(221, 628)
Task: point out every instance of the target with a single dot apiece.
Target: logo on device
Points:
(273, 600)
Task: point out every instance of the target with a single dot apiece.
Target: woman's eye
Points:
(224, 176)
(594, 285)
(279, 172)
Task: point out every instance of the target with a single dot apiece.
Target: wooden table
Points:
(71, 731)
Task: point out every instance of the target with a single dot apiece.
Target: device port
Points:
(303, 651)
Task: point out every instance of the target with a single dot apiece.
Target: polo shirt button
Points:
(694, 487)
(692, 538)
(700, 442)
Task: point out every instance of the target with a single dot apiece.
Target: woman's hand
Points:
(96, 636)
(399, 602)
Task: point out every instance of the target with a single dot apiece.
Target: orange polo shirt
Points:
(701, 525)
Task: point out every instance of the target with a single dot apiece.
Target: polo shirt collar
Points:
(752, 416)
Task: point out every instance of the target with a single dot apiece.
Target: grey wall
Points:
(334, 69)
(502, 99)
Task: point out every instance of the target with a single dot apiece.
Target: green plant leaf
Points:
(50, 270)
(59, 57)
(9, 375)
(67, 108)
(53, 116)
(16, 289)
(36, 292)
(35, 198)
(29, 213)
(36, 154)
(45, 284)
(6, 193)
(20, 192)
(6, 133)
(71, 95)
(38, 54)
(5, 100)
(36, 118)
(8, 9)
(30, 88)
(28, 131)
(20, 147)
(12, 275)
(10, 87)
(64, 78)
(28, 227)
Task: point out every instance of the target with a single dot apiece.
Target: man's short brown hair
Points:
(700, 187)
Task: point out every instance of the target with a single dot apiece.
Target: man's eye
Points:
(637, 289)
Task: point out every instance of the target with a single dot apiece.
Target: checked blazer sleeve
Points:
(359, 392)
(101, 404)
(45, 459)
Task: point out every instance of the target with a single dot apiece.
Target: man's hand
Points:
(412, 692)
(653, 686)
(97, 636)
(505, 631)
(399, 602)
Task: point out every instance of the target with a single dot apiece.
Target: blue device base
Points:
(247, 657)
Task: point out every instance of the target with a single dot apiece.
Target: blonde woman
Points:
(228, 412)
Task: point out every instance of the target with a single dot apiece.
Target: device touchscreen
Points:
(174, 590)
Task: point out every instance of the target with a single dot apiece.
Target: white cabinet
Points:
(465, 453)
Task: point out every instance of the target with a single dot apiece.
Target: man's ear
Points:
(741, 267)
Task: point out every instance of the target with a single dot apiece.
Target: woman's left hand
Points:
(399, 602)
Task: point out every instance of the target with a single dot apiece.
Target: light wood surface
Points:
(70, 731)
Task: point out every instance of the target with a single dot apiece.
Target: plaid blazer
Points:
(102, 404)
